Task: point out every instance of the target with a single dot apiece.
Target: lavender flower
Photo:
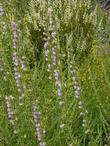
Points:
(1, 9)
(10, 113)
(54, 52)
(46, 48)
(15, 59)
(77, 95)
(37, 126)
(9, 110)
(14, 26)
(16, 64)
(23, 64)
(57, 82)
(17, 75)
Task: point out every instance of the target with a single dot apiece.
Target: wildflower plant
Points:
(53, 40)
(1, 9)
(37, 126)
(16, 63)
(53, 37)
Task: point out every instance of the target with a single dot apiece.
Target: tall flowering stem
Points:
(37, 126)
(16, 63)
(9, 109)
(46, 47)
(83, 111)
(23, 64)
(10, 114)
(1, 9)
(2, 71)
(54, 51)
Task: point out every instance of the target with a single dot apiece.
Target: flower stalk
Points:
(53, 36)
(37, 126)
(16, 64)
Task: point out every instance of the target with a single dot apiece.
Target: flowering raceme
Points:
(37, 125)
(16, 63)
(54, 51)
(10, 113)
(50, 49)
(81, 107)
(23, 64)
(9, 110)
(1, 9)
(46, 47)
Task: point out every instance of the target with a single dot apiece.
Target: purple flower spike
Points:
(1, 9)
(77, 94)
(37, 126)
(14, 25)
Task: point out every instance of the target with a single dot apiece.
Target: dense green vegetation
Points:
(54, 73)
